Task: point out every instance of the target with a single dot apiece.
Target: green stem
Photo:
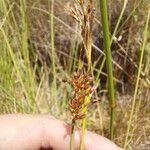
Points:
(138, 81)
(105, 26)
(84, 122)
(52, 51)
(72, 135)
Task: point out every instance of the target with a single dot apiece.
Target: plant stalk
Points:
(72, 135)
(84, 122)
(52, 42)
(138, 80)
(105, 27)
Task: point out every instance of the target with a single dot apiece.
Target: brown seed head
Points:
(81, 83)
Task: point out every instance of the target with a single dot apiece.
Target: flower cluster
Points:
(83, 13)
(81, 83)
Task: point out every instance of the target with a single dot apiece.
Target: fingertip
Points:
(96, 142)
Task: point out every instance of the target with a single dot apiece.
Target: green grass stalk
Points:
(14, 61)
(52, 52)
(29, 79)
(72, 135)
(119, 20)
(105, 26)
(137, 81)
(84, 121)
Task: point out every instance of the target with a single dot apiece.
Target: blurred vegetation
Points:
(39, 48)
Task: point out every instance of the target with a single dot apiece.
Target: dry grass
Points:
(125, 50)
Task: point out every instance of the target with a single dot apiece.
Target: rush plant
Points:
(83, 13)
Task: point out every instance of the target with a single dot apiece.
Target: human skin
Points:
(36, 132)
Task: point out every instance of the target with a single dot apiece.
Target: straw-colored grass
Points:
(39, 48)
